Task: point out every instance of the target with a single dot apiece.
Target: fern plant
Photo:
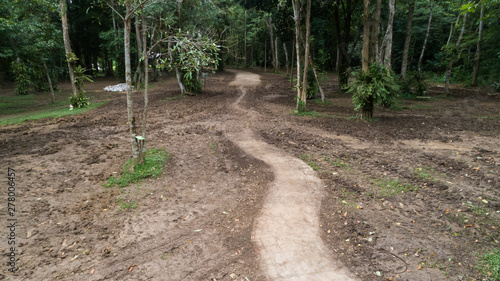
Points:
(376, 86)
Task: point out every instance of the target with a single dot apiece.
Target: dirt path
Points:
(287, 231)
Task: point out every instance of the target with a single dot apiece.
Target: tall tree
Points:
(477, 59)
(406, 49)
(386, 48)
(453, 52)
(365, 55)
(374, 40)
(426, 37)
(70, 57)
(297, 7)
(303, 95)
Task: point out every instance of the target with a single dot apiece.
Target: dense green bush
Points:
(376, 86)
(22, 78)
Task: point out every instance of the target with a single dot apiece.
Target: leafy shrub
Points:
(413, 85)
(80, 101)
(22, 78)
(376, 86)
(312, 89)
(192, 84)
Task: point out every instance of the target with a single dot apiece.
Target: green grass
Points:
(309, 159)
(152, 167)
(46, 113)
(425, 173)
(319, 101)
(16, 104)
(174, 97)
(126, 205)
(340, 163)
(392, 187)
(490, 265)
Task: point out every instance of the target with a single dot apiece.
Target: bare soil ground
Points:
(412, 196)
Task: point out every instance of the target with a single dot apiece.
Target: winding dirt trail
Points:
(286, 232)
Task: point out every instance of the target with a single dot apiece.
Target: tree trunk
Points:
(452, 58)
(387, 45)
(375, 30)
(67, 46)
(286, 57)
(296, 17)
(146, 84)
(246, 39)
(477, 60)
(138, 76)
(317, 80)
(265, 56)
(128, 80)
(270, 25)
(276, 53)
(425, 40)
(406, 49)
(291, 66)
(49, 81)
(303, 96)
(177, 73)
(365, 61)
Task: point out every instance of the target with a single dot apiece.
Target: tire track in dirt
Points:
(286, 233)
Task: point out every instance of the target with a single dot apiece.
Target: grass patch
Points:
(126, 205)
(319, 101)
(47, 113)
(16, 104)
(152, 167)
(309, 159)
(392, 187)
(490, 265)
(340, 163)
(425, 173)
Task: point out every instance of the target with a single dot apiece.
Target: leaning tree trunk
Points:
(128, 80)
(270, 25)
(67, 46)
(478, 50)
(291, 66)
(49, 81)
(303, 95)
(406, 49)
(452, 58)
(296, 17)
(177, 72)
(138, 76)
(425, 40)
(317, 80)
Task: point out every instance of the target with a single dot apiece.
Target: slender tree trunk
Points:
(128, 80)
(138, 72)
(477, 60)
(452, 58)
(338, 57)
(451, 27)
(387, 45)
(246, 65)
(270, 25)
(317, 80)
(425, 40)
(406, 49)
(177, 73)
(265, 56)
(291, 66)
(67, 45)
(276, 53)
(375, 30)
(365, 60)
(49, 81)
(296, 17)
(146, 84)
(286, 57)
(303, 96)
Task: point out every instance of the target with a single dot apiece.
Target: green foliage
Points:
(22, 78)
(301, 107)
(192, 83)
(376, 86)
(490, 265)
(126, 204)
(153, 165)
(79, 101)
(391, 187)
(413, 85)
(312, 89)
